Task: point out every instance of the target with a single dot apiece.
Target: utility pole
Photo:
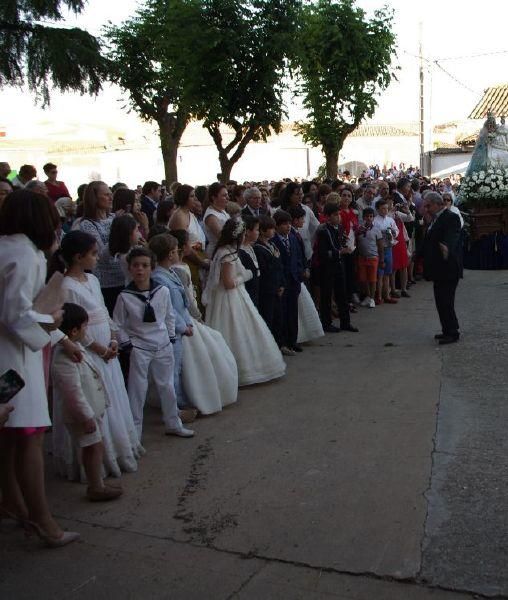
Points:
(422, 98)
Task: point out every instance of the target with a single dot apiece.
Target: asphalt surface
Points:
(376, 469)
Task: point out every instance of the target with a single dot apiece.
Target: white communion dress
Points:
(233, 314)
(309, 324)
(121, 444)
(209, 372)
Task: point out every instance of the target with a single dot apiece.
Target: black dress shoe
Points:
(439, 336)
(297, 348)
(448, 339)
(331, 329)
(350, 328)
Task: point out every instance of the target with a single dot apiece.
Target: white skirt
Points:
(209, 373)
(257, 355)
(309, 324)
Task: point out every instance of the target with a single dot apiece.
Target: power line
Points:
(474, 55)
(475, 92)
(431, 62)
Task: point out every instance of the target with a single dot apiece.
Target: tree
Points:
(344, 61)
(142, 63)
(233, 70)
(220, 61)
(45, 56)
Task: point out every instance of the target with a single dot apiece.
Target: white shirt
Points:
(128, 316)
(221, 216)
(385, 223)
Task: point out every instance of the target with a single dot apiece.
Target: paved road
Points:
(376, 469)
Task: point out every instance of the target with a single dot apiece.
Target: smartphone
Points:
(11, 383)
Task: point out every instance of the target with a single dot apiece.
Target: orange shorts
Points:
(367, 269)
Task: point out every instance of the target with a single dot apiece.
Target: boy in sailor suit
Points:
(146, 320)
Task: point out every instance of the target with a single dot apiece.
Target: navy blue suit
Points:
(149, 208)
(293, 265)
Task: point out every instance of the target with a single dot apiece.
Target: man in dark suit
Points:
(150, 199)
(253, 207)
(442, 263)
(293, 264)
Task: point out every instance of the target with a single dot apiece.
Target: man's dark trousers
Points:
(444, 296)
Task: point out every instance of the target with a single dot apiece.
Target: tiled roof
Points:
(468, 139)
(495, 100)
(402, 130)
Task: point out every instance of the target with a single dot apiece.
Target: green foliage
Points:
(143, 52)
(140, 64)
(344, 61)
(46, 56)
(220, 61)
(234, 67)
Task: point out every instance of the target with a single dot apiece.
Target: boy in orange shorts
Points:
(369, 241)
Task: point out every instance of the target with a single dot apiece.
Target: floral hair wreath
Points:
(239, 229)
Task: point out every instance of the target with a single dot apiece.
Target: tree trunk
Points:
(237, 146)
(226, 166)
(171, 128)
(332, 162)
(169, 149)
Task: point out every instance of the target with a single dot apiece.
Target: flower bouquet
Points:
(487, 188)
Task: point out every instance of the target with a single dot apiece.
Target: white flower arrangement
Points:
(485, 188)
(239, 229)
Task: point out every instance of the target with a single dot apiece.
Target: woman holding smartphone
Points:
(27, 226)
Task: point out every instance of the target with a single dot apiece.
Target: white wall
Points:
(446, 164)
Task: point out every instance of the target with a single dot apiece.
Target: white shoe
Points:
(183, 432)
(372, 303)
(356, 299)
(287, 351)
(366, 301)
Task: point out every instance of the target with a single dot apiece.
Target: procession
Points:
(270, 357)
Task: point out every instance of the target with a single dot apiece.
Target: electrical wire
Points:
(475, 92)
(493, 53)
(431, 62)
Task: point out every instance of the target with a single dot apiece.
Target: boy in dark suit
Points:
(293, 264)
(271, 279)
(327, 260)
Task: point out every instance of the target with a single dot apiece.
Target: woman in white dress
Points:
(209, 373)
(121, 443)
(230, 310)
(27, 228)
(215, 215)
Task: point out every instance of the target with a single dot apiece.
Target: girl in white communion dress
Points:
(230, 310)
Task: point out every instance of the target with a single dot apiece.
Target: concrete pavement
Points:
(375, 469)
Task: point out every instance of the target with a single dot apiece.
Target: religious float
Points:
(484, 195)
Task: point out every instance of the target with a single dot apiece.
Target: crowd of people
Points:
(177, 297)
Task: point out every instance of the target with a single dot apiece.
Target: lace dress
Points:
(233, 314)
(209, 372)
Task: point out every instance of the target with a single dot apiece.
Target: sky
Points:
(454, 32)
